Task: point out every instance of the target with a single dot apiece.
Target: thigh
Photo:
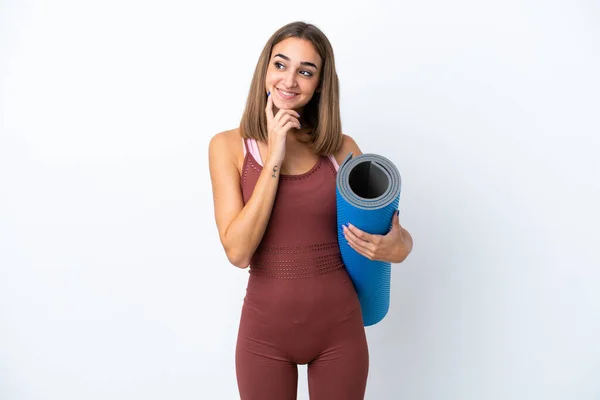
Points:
(262, 374)
(340, 372)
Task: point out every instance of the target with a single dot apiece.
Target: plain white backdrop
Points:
(113, 282)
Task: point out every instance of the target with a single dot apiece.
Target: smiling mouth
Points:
(286, 95)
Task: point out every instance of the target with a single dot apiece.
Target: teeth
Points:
(287, 93)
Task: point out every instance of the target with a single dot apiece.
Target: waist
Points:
(330, 296)
(296, 262)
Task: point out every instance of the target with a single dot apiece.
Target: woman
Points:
(273, 182)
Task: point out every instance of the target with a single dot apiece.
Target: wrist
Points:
(271, 163)
(273, 167)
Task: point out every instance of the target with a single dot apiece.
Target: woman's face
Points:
(293, 73)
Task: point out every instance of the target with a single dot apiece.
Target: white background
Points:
(113, 283)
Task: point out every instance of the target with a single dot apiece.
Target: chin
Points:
(287, 105)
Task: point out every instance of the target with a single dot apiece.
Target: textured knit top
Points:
(300, 239)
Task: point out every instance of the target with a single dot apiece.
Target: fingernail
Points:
(298, 114)
(268, 93)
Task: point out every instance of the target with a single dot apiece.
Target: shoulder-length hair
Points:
(321, 114)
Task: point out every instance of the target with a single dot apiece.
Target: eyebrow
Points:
(301, 63)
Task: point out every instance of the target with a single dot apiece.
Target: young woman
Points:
(273, 181)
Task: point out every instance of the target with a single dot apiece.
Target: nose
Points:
(290, 79)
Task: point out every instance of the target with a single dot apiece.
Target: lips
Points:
(286, 95)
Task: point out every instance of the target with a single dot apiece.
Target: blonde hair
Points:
(321, 114)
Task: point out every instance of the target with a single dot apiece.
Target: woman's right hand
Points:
(278, 126)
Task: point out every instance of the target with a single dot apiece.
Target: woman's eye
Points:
(279, 65)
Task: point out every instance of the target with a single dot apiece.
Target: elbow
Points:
(235, 253)
(237, 259)
(241, 265)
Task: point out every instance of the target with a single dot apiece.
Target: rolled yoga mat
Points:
(367, 195)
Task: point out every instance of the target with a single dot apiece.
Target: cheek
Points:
(273, 75)
(309, 88)
(269, 77)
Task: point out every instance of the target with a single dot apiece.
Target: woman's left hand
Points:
(393, 247)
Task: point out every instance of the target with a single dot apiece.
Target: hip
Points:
(329, 297)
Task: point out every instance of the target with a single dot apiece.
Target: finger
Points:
(358, 241)
(269, 108)
(283, 113)
(287, 118)
(364, 236)
(396, 222)
(291, 124)
(363, 252)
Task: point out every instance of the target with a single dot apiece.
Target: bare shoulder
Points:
(349, 145)
(226, 139)
(226, 145)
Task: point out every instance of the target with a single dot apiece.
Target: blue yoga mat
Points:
(367, 195)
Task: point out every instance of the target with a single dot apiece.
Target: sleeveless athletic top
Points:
(300, 239)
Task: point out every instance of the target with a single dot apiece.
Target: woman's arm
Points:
(348, 146)
(241, 228)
